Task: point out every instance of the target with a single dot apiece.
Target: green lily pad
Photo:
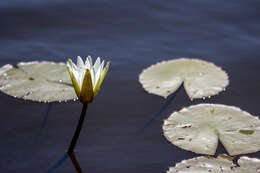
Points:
(221, 164)
(198, 129)
(37, 81)
(201, 78)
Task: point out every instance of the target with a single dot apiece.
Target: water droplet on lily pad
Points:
(222, 163)
(201, 78)
(37, 81)
(237, 130)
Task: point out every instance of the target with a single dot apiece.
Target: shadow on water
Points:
(62, 160)
(162, 109)
(58, 163)
(70, 151)
(46, 115)
(50, 105)
(43, 123)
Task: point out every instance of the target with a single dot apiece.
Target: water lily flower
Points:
(86, 77)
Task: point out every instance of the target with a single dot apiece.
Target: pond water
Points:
(122, 132)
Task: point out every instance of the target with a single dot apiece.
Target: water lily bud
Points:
(86, 77)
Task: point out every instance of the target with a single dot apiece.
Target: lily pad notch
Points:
(198, 129)
(200, 78)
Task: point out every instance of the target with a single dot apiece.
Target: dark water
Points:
(133, 35)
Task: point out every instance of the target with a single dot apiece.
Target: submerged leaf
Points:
(200, 129)
(37, 81)
(220, 164)
(200, 78)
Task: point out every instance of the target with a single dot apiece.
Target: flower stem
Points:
(75, 163)
(78, 129)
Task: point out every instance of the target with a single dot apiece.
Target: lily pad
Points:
(201, 78)
(37, 81)
(198, 129)
(221, 164)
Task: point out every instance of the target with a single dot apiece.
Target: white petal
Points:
(82, 72)
(80, 62)
(99, 71)
(88, 63)
(73, 66)
(93, 74)
(68, 65)
(74, 69)
(97, 64)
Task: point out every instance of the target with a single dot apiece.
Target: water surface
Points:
(133, 35)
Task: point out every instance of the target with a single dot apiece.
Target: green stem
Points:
(78, 129)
